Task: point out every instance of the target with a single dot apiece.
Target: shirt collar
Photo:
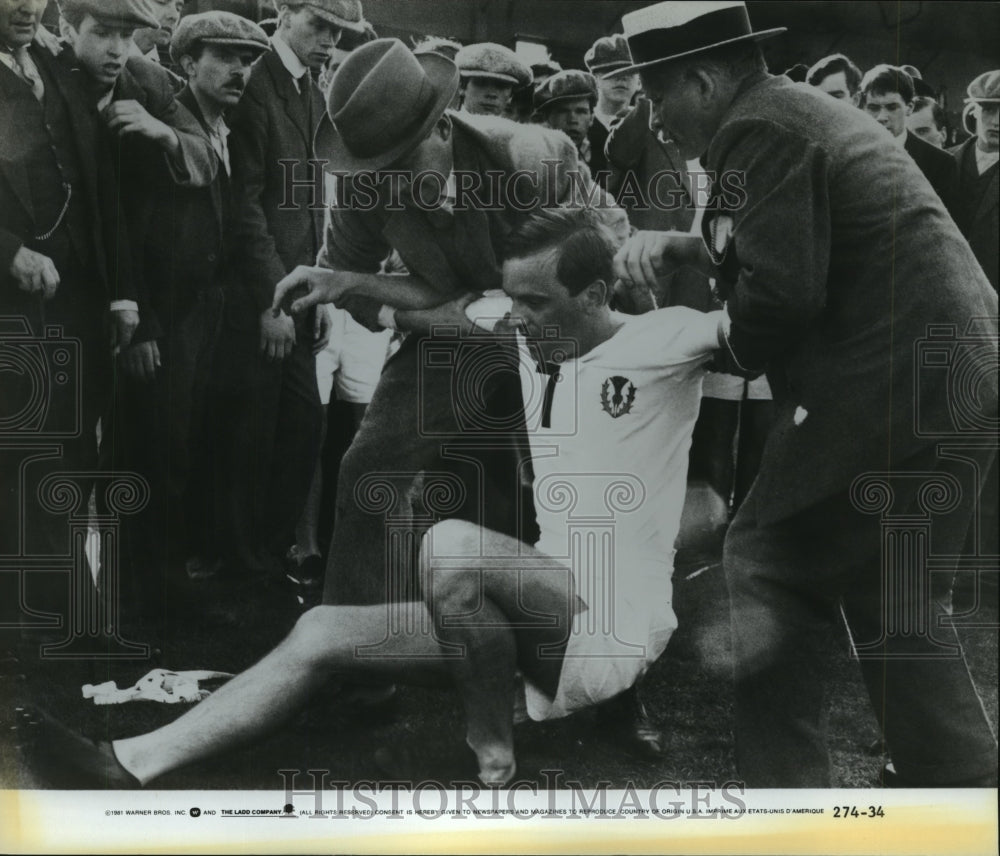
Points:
(289, 59)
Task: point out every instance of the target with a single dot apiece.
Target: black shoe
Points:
(65, 759)
(625, 720)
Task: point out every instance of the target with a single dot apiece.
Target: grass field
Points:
(688, 691)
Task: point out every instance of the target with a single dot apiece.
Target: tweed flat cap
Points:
(567, 84)
(216, 28)
(487, 59)
(137, 14)
(985, 88)
(448, 48)
(346, 14)
(608, 54)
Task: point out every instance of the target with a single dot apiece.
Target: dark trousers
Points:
(434, 443)
(785, 582)
(52, 395)
(267, 419)
(163, 434)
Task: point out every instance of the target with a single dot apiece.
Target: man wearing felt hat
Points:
(269, 409)
(187, 244)
(829, 213)
(979, 186)
(489, 75)
(614, 94)
(565, 102)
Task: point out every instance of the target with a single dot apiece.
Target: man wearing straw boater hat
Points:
(840, 267)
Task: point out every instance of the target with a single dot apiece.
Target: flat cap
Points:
(137, 14)
(608, 54)
(567, 84)
(345, 14)
(487, 59)
(985, 88)
(216, 28)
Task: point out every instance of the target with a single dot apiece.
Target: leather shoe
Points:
(625, 719)
(66, 759)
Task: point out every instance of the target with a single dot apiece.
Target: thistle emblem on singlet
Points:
(617, 396)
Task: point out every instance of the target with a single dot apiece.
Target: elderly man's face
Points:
(987, 126)
(311, 37)
(678, 111)
(101, 48)
(168, 13)
(20, 20)
(572, 116)
(921, 123)
(487, 96)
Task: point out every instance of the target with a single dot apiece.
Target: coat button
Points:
(211, 257)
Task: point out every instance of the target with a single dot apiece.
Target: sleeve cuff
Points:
(124, 305)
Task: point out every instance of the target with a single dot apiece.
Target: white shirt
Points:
(625, 409)
(290, 60)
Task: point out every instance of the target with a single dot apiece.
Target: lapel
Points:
(81, 114)
(215, 188)
(284, 86)
(12, 90)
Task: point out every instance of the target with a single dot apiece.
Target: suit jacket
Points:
(836, 257)
(977, 207)
(471, 259)
(937, 165)
(271, 125)
(598, 136)
(185, 233)
(99, 186)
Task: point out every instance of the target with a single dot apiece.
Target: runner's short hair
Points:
(582, 236)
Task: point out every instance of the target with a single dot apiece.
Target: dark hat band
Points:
(709, 29)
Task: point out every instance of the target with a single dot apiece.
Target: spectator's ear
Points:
(596, 295)
(909, 108)
(443, 127)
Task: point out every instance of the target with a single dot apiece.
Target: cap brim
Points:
(749, 37)
(237, 43)
(492, 75)
(603, 71)
(329, 145)
(588, 95)
(994, 99)
(337, 21)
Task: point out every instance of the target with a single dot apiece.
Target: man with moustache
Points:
(186, 248)
(269, 415)
(836, 261)
(153, 43)
(64, 264)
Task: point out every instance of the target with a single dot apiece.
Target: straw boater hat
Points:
(382, 103)
(675, 29)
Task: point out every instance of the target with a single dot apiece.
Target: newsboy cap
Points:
(985, 89)
(216, 28)
(137, 14)
(567, 84)
(345, 14)
(487, 59)
(608, 54)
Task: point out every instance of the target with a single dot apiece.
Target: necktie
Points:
(28, 72)
(305, 93)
